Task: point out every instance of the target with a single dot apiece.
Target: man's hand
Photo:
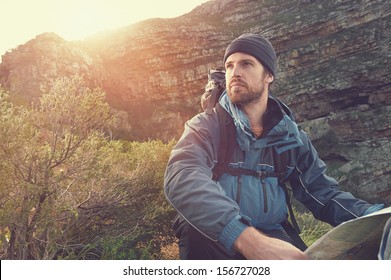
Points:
(256, 246)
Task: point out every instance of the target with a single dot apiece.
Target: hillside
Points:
(334, 73)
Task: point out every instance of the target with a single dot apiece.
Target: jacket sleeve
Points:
(189, 187)
(320, 193)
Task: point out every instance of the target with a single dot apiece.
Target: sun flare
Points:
(78, 19)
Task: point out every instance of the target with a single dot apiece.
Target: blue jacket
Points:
(213, 207)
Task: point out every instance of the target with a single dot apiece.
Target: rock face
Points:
(46, 57)
(333, 71)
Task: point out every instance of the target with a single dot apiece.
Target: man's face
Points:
(246, 79)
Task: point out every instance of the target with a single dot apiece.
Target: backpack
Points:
(209, 100)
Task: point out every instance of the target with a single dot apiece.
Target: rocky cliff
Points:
(333, 71)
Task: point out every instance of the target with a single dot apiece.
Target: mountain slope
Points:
(333, 71)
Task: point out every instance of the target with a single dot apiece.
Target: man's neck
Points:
(255, 112)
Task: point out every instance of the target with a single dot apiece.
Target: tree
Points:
(69, 191)
(54, 163)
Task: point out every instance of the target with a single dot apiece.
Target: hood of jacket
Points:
(280, 129)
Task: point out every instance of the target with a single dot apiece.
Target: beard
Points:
(240, 93)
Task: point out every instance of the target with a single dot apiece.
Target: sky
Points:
(22, 20)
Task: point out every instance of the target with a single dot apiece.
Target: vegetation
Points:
(69, 191)
(311, 229)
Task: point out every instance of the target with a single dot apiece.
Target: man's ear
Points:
(269, 78)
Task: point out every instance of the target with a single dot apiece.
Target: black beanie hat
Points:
(257, 46)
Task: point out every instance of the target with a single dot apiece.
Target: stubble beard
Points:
(244, 95)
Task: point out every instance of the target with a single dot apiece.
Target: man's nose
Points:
(236, 71)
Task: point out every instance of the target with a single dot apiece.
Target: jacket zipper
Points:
(262, 176)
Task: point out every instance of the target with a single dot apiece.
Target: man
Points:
(238, 217)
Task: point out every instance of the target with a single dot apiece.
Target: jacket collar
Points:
(280, 130)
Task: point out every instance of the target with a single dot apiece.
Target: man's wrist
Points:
(246, 239)
(231, 232)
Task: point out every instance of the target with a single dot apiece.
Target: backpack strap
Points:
(227, 141)
(292, 228)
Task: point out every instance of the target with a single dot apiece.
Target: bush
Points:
(67, 191)
(144, 218)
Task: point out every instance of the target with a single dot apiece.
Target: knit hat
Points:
(257, 46)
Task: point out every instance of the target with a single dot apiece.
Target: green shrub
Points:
(67, 191)
(311, 229)
(141, 222)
